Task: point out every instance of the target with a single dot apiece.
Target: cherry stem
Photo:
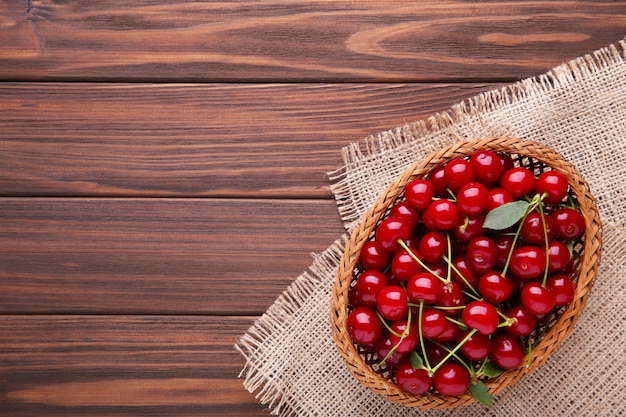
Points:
(547, 243)
(419, 261)
(453, 351)
(461, 361)
(421, 337)
(384, 322)
(533, 203)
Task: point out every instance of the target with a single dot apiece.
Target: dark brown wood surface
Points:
(163, 171)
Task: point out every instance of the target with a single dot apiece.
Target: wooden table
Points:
(163, 170)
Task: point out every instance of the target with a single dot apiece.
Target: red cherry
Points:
(392, 302)
(487, 166)
(481, 316)
(518, 182)
(389, 231)
(472, 199)
(458, 172)
(533, 228)
(432, 246)
(558, 255)
(384, 346)
(553, 184)
(568, 223)
(437, 178)
(463, 275)
(402, 210)
(409, 341)
(563, 289)
(506, 351)
(424, 286)
(450, 334)
(507, 162)
(364, 325)
(404, 266)
(414, 381)
(497, 197)
(477, 347)
(494, 287)
(373, 256)
(481, 254)
(451, 296)
(503, 247)
(434, 322)
(528, 262)
(368, 284)
(524, 321)
(443, 214)
(434, 352)
(419, 193)
(469, 227)
(537, 299)
(451, 379)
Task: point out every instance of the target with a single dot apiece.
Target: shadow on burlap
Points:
(579, 109)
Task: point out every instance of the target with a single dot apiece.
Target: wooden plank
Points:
(219, 140)
(123, 366)
(298, 40)
(156, 256)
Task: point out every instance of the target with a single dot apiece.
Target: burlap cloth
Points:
(578, 108)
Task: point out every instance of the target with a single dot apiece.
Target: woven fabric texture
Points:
(579, 109)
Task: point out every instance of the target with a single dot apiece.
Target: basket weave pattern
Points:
(587, 251)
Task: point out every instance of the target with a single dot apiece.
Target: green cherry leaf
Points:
(480, 393)
(506, 215)
(415, 360)
(491, 370)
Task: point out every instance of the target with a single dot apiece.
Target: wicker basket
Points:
(587, 249)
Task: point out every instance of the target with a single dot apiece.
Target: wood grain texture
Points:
(298, 40)
(219, 140)
(156, 256)
(122, 366)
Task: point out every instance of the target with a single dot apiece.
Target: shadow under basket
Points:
(365, 366)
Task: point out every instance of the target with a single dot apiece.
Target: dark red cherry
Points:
(487, 166)
(404, 265)
(497, 197)
(419, 193)
(518, 182)
(443, 214)
(414, 381)
(558, 255)
(494, 287)
(433, 246)
(481, 316)
(563, 289)
(451, 296)
(523, 322)
(506, 351)
(476, 347)
(402, 210)
(364, 325)
(528, 262)
(463, 275)
(423, 286)
(389, 231)
(368, 284)
(472, 199)
(373, 256)
(451, 379)
(384, 346)
(553, 184)
(409, 341)
(481, 254)
(458, 172)
(392, 302)
(568, 223)
(469, 227)
(537, 299)
(533, 228)
(437, 178)
(434, 322)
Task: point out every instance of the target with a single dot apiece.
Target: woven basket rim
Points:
(591, 254)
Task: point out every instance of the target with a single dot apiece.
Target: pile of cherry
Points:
(461, 276)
